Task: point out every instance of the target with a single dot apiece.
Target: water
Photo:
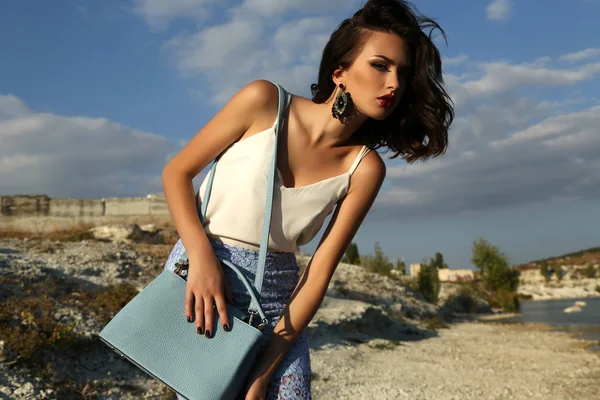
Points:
(585, 323)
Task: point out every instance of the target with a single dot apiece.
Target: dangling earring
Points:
(340, 105)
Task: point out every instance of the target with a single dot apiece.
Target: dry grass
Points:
(434, 323)
(62, 235)
(106, 302)
(40, 343)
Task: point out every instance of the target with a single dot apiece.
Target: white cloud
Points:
(559, 125)
(273, 8)
(458, 60)
(502, 77)
(250, 48)
(497, 157)
(75, 156)
(581, 55)
(499, 10)
(505, 150)
(281, 40)
(227, 46)
(159, 13)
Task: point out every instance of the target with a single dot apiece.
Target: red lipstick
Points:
(386, 101)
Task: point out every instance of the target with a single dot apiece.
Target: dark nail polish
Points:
(189, 319)
(226, 327)
(207, 334)
(199, 330)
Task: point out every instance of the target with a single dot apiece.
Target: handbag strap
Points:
(262, 256)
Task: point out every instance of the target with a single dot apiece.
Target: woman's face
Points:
(379, 70)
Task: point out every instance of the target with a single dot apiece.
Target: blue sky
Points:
(95, 97)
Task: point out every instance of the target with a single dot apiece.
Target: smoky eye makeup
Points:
(380, 66)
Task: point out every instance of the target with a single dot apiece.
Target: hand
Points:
(256, 388)
(205, 288)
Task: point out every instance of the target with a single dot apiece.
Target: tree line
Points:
(495, 279)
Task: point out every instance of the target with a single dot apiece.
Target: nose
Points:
(393, 82)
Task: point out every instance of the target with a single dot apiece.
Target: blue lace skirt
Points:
(292, 378)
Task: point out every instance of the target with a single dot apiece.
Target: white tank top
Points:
(237, 200)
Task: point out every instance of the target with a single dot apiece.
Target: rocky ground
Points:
(372, 338)
(467, 361)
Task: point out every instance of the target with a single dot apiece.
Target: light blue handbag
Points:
(151, 330)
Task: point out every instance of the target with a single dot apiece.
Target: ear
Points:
(338, 75)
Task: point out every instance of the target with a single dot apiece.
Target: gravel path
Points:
(467, 361)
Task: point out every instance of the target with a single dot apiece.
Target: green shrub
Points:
(558, 272)
(428, 283)
(545, 271)
(379, 263)
(598, 288)
(352, 256)
(465, 298)
(438, 261)
(590, 271)
(504, 299)
(401, 267)
(496, 272)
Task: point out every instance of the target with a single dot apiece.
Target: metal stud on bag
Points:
(179, 266)
(250, 317)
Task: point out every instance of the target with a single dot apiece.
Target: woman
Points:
(379, 85)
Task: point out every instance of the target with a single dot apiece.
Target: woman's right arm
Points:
(246, 107)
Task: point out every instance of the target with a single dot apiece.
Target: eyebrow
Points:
(391, 61)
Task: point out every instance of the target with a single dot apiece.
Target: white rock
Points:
(572, 309)
(149, 228)
(24, 390)
(118, 233)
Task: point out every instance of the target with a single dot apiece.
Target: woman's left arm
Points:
(310, 291)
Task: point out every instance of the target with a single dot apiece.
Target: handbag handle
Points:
(255, 306)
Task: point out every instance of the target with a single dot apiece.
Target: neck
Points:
(327, 131)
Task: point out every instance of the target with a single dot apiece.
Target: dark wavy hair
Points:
(418, 128)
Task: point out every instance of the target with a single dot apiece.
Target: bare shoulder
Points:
(249, 107)
(369, 175)
(263, 97)
(260, 93)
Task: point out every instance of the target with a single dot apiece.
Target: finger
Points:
(222, 310)
(188, 305)
(208, 316)
(199, 315)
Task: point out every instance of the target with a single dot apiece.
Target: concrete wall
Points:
(24, 205)
(42, 213)
(76, 208)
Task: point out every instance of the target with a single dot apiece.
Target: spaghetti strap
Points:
(282, 108)
(361, 154)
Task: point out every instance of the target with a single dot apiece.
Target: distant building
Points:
(446, 274)
(454, 275)
(415, 269)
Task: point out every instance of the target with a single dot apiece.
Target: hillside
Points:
(591, 255)
(579, 276)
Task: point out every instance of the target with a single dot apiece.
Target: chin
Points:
(379, 116)
(381, 113)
